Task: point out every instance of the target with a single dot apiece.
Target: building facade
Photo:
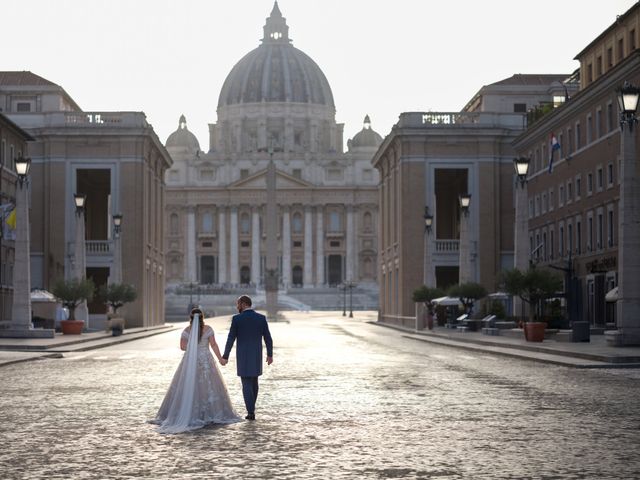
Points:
(117, 161)
(427, 162)
(13, 144)
(574, 206)
(275, 103)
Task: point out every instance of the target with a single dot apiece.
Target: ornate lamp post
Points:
(521, 247)
(464, 275)
(628, 305)
(80, 270)
(116, 273)
(21, 325)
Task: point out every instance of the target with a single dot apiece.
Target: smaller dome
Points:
(367, 137)
(183, 138)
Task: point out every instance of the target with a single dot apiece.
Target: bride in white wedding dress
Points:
(197, 395)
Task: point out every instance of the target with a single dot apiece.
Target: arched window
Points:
(335, 223)
(174, 223)
(367, 220)
(207, 222)
(296, 223)
(245, 223)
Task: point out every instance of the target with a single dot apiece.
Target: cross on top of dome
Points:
(276, 28)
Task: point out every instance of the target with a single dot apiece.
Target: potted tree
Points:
(424, 294)
(533, 287)
(468, 293)
(115, 295)
(72, 293)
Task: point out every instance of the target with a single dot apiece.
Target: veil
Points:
(181, 410)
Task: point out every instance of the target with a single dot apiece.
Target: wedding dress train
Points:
(197, 395)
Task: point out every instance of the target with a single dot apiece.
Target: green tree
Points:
(72, 293)
(532, 286)
(468, 293)
(117, 294)
(425, 295)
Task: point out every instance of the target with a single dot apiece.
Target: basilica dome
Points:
(183, 138)
(367, 137)
(276, 71)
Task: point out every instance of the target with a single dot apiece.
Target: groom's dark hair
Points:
(245, 299)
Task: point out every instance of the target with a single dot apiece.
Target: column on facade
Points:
(222, 245)
(308, 248)
(464, 272)
(628, 304)
(234, 271)
(255, 246)
(350, 244)
(521, 241)
(286, 247)
(190, 264)
(320, 280)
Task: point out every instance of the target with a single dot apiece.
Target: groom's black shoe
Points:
(250, 416)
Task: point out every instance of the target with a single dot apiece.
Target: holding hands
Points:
(223, 361)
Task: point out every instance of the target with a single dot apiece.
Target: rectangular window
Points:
(600, 231)
(578, 187)
(578, 137)
(610, 179)
(297, 173)
(544, 246)
(23, 107)
(569, 238)
(599, 131)
(620, 49)
(610, 228)
(569, 142)
(589, 129)
(609, 117)
(561, 195)
(599, 179)
(599, 67)
(589, 73)
(551, 194)
(561, 250)
(569, 191)
(244, 173)
(589, 233)
(578, 237)
(520, 108)
(589, 183)
(544, 203)
(551, 239)
(609, 57)
(632, 39)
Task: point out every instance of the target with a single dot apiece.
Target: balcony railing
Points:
(453, 119)
(99, 247)
(447, 246)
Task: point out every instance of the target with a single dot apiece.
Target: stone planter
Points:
(72, 327)
(534, 331)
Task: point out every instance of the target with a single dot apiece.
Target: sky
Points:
(171, 57)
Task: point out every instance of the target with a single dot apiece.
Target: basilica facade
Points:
(276, 104)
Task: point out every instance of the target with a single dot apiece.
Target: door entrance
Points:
(335, 269)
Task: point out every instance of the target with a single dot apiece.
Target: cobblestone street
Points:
(344, 399)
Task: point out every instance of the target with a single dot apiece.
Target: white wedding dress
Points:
(197, 395)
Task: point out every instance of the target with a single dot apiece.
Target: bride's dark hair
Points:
(198, 310)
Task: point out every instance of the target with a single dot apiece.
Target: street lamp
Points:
(116, 274)
(628, 304)
(117, 222)
(79, 200)
(428, 220)
(465, 201)
(521, 166)
(23, 165)
(628, 96)
(344, 300)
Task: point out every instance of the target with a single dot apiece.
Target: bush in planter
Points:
(71, 293)
(532, 286)
(468, 293)
(425, 294)
(116, 295)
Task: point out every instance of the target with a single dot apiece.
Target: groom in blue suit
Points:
(249, 327)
